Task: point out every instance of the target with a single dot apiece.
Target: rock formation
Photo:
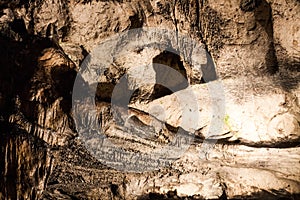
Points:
(89, 110)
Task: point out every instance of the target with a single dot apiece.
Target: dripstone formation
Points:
(83, 84)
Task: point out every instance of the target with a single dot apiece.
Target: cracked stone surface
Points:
(236, 62)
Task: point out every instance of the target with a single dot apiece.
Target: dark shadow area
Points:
(270, 195)
(18, 26)
(209, 70)
(287, 69)
(281, 145)
(279, 65)
(170, 74)
(104, 92)
(288, 77)
(19, 61)
(85, 54)
(160, 91)
(267, 195)
(15, 3)
(114, 90)
(171, 195)
(263, 16)
(170, 77)
(287, 80)
(136, 20)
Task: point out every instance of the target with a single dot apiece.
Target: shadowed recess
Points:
(164, 65)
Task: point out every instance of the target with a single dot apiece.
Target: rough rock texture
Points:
(255, 45)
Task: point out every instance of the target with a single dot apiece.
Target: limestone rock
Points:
(223, 123)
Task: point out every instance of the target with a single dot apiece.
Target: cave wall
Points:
(254, 44)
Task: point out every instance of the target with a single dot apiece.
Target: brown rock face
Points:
(149, 99)
(25, 167)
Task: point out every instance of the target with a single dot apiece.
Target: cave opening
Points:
(170, 74)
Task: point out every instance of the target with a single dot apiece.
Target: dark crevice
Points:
(85, 54)
(208, 70)
(197, 18)
(51, 30)
(264, 9)
(288, 77)
(279, 145)
(20, 65)
(104, 91)
(136, 20)
(170, 74)
(224, 188)
(209, 31)
(19, 27)
(116, 90)
(160, 91)
(280, 194)
(114, 189)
